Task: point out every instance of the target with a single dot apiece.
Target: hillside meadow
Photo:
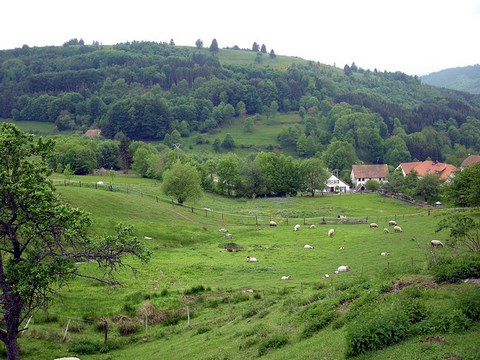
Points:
(196, 300)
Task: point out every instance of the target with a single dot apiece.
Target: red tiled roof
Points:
(470, 160)
(93, 132)
(407, 167)
(370, 171)
(430, 167)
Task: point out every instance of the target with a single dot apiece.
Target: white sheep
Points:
(286, 277)
(228, 236)
(373, 225)
(251, 259)
(312, 226)
(272, 223)
(296, 227)
(341, 248)
(392, 223)
(436, 243)
(223, 230)
(385, 254)
(100, 183)
(330, 232)
(335, 272)
(385, 231)
(397, 228)
(343, 268)
(325, 276)
(147, 238)
(342, 218)
(308, 246)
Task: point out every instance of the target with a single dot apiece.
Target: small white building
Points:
(335, 185)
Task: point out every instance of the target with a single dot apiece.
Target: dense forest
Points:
(151, 91)
(466, 78)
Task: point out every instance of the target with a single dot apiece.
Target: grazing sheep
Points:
(223, 230)
(296, 227)
(392, 223)
(228, 236)
(286, 277)
(342, 218)
(385, 253)
(272, 223)
(147, 238)
(373, 225)
(385, 231)
(312, 226)
(397, 228)
(330, 232)
(100, 183)
(335, 272)
(251, 259)
(343, 268)
(341, 248)
(436, 243)
(308, 247)
(325, 276)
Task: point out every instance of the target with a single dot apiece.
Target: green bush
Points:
(128, 328)
(415, 310)
(375, 331)
(318, 323)
(273, 342)
(457, 268)
(469, 302)
(451, 321)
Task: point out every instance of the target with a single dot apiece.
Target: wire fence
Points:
(256, 220)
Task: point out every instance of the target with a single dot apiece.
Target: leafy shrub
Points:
(273, 342)
(376, 331)
(457, 268)
(469, 303)
(128, 328)
(195, 290)
(202, 330)
(318, 323)
(250, 312)
(164, 292)
(443, 322)
(415, 310)
(85, 347)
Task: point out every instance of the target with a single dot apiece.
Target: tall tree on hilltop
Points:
(255, 47)
(263, 49)
(214, 47)
(41, 237)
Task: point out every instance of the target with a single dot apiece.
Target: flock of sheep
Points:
(330, 233)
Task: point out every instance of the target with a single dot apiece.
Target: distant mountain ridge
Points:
(465, 78)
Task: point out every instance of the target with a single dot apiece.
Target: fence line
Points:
(251, 219)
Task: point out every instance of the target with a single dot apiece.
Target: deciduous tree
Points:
(41, 238)
(182, 181)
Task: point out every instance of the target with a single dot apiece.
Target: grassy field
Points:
(239, 309)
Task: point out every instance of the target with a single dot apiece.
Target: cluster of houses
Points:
(360, 174)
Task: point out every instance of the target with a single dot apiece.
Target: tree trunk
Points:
(13, 350)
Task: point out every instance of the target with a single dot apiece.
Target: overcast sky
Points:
(413, 36)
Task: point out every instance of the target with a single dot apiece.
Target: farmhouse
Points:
(334, 184)
(362, 173)
(444, 171)
(470, 160)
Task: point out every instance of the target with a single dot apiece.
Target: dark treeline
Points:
(148, 90)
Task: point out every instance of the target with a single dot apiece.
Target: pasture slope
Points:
(194, 300)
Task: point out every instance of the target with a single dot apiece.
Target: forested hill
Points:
(465, 78)
(148, 90)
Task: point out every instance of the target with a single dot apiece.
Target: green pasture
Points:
(236, 307)
(37, 127)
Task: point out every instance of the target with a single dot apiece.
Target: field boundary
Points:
(252, 219)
